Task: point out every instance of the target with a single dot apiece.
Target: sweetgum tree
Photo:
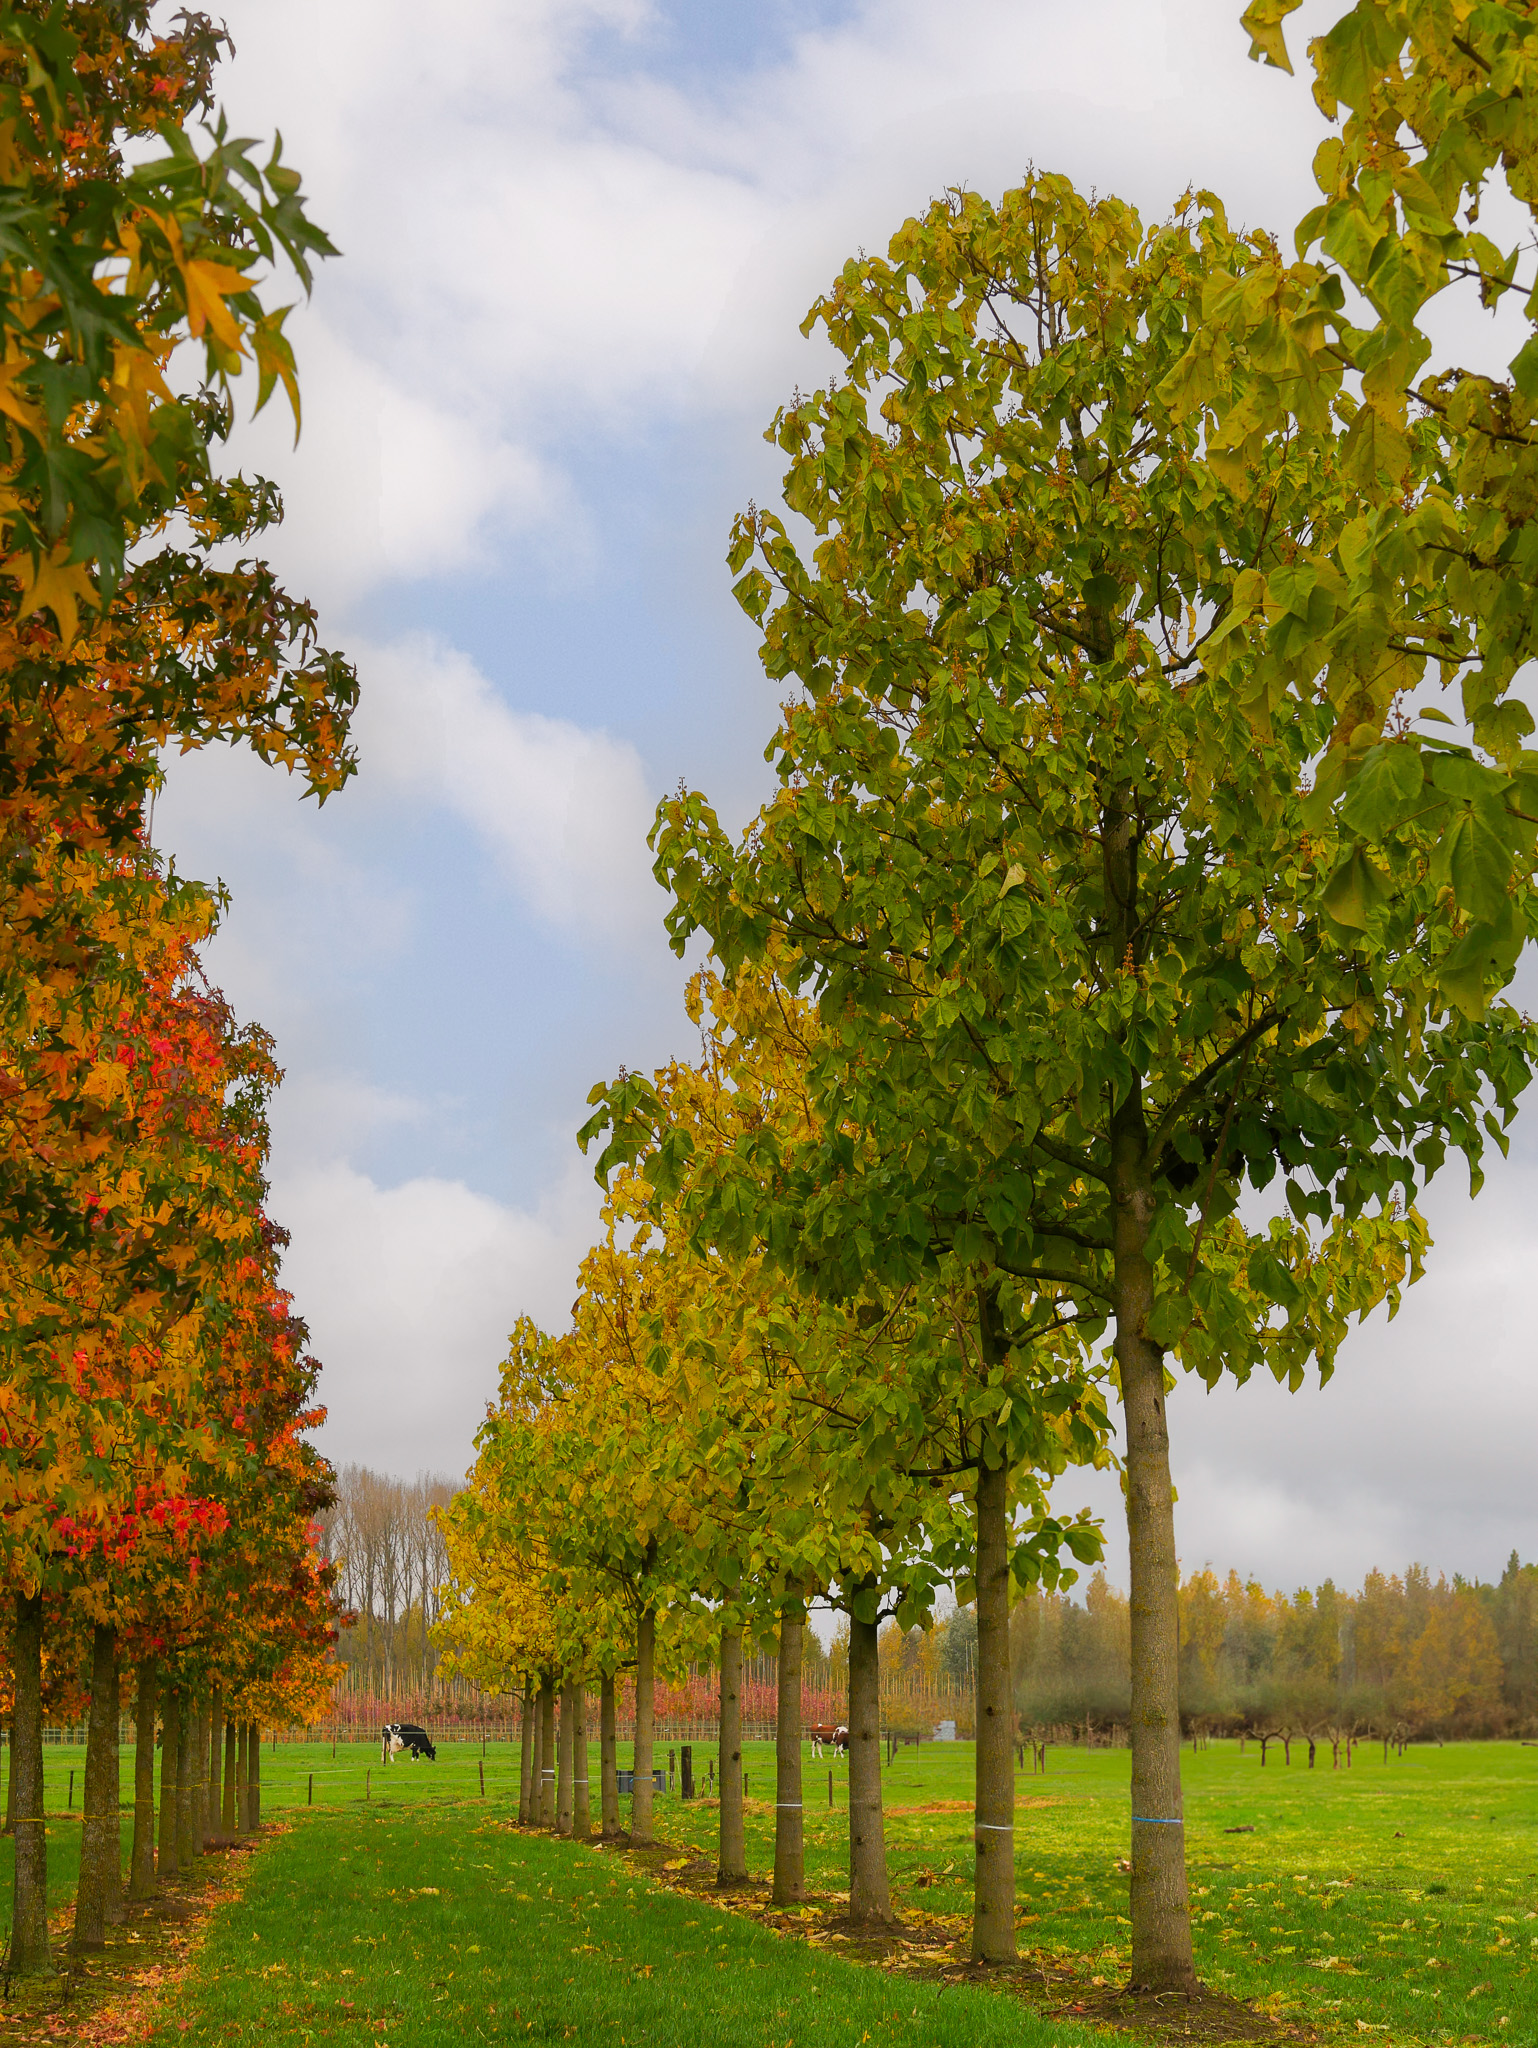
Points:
(1091, 951)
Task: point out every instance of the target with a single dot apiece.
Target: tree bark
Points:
(547, 1754)
(993, 1899)
(581, 1808)
(536, 1756)
(228, 1822)
(732, 1864)
(525, 1755)
(789, 1855)
(170, 1747)
(608, 1769)
(213, 1755)
(141, 1860)
(29, 1953)
(1161, 1921)
(870, 1899)
(189, 1837)
(645, 1663)
(565, 1751)
(254, 1778)
(246, 1744)
(98, 1887)
(10, 1783)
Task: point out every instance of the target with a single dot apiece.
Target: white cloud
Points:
(1419, 1448)
(547, 245)
(410, 1293)
(564, 810)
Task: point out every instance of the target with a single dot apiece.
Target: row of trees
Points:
(1422, 1656)
(1120, 954)
(156, 1489)
(383, 1536)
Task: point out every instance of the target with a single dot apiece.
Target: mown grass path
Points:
(421, 1923)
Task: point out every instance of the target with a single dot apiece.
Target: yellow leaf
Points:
(60, 585)
(17, 408)
(208, 285)
(1263, 19)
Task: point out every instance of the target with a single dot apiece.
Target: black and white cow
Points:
(406, 1735)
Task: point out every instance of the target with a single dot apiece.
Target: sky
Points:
(578, 238)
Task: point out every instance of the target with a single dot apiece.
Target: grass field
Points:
(1396, 1898)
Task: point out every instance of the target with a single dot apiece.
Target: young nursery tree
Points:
(1088, 957)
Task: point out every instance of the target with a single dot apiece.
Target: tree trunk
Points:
(141, 1860)
(870, 1900)
(565, 1751)
(213, 1757)
(641, 1804)
(189, 1841)
(608, 1770)
(170, 1746)
(993, 1908)
(97, 1889)
(243, 1741)
(1161, 1920)
(227, 1819)
(10, 1783)
(789, 1859)
(254, 1779)
(525, 1755)
(581, 1809)
(732, 1865)
(29, 1954)
(547, 1754)
(536, 1756)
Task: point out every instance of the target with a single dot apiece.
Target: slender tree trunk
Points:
(213, 1756)
(993, 1908)
(732, 1866)
(870, 1899)
(170, 1745)
(641, 1804)
(227, 1821)
(581, 1809)
(536, 1755)
(789, 1857)
(565, 1751)
(10, 1783)
(608, 1768)
(97, 1888)
(547, 1754)
(141, 1860)
(254, 1779)
(29, 1953)
(1161, 1921)
(189, 1840)
(525, 1755)
(245, 1742)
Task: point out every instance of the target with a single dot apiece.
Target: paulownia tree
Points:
(1088, 956)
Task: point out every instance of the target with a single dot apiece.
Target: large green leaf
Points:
(1355, 891)
(1385, 787)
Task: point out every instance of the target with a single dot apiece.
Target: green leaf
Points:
(1478, 865)
(1355, 891)
(1384, 788)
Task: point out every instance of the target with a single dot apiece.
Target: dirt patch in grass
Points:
(109, 1999)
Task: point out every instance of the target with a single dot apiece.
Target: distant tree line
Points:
(1410, 1656)
(390, 1559)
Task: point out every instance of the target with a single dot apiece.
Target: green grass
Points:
(424, 1920)
(1398, 1896)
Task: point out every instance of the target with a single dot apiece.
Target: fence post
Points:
(830, 1788)
(310, 1795)
(483, 1780)
(368, 1779)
